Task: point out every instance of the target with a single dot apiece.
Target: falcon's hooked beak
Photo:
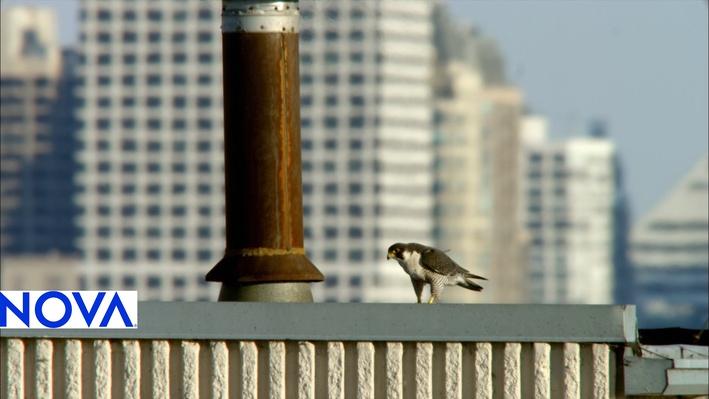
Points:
(390, 256)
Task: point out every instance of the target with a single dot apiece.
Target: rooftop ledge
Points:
(369, 322)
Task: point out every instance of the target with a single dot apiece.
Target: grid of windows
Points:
(160, 107)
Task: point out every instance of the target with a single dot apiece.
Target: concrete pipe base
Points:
(268, 292)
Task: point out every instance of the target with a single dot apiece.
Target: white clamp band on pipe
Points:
(260, 16)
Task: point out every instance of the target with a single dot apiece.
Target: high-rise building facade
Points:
(568, 208)
(501, 116)
(477, 150)
(462, 192)
(152, 159)
(37, 135)
(367, 142)
(670, 255)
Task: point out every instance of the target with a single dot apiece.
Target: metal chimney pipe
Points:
(264, 258)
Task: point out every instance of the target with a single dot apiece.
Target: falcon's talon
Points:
(430, 265)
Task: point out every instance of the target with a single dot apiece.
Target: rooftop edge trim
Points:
(367, 322)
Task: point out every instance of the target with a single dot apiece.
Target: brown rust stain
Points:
(262, 251)
(286, 235)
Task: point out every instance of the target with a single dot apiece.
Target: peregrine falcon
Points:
(430, 265)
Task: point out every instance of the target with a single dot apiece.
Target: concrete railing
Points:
(250, 350)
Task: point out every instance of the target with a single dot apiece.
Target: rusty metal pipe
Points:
(264, 258)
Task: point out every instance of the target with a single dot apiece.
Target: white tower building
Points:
(152, 179)
(568, 209)
(367, 142)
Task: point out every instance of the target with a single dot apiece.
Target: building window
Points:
(331, 188)
(355, 232)
(103, 15)
(128, 210)
(355, 210)
(330, 122)
(331, 36)
(179, 58)
(179, 102)
(204, 102)
(179, 16)
(104, 282)
(179, 37)
(178, 254)
(204, 124)
(154, 80)
(153, 102)
(356, 121)
(330, 255)
(204, 37)
(331, 281)
(153, 189)
(154, 146)
(356, 57)
(153, 124)
(154, 281)
(331, 79)
(204, 14)
(179, 124)
(154, 37)
(103, 254)
(204, 146)
(356, 35)
(153, 58)
(332, 58)
(153, 254)
(204, 168)
(103, 124)
(355, 281)
(129, 254)
(130, 37)
(330, 232)
(154, 15)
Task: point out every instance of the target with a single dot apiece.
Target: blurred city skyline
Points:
(416, 126)
(659, 97)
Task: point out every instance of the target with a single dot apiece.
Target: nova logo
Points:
(68, 309)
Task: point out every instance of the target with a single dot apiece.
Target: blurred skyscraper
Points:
(477, 146)
(37, 136)
(568, 207)
(622, 269)
(367, 143)
(670, 254)
(152, 146)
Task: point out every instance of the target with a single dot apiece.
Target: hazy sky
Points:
(640, 65)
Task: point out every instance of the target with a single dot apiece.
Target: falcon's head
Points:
(396, 251)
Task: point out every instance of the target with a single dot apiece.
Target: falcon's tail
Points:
(467, 282)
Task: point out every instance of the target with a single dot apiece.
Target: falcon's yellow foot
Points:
(432, 299)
